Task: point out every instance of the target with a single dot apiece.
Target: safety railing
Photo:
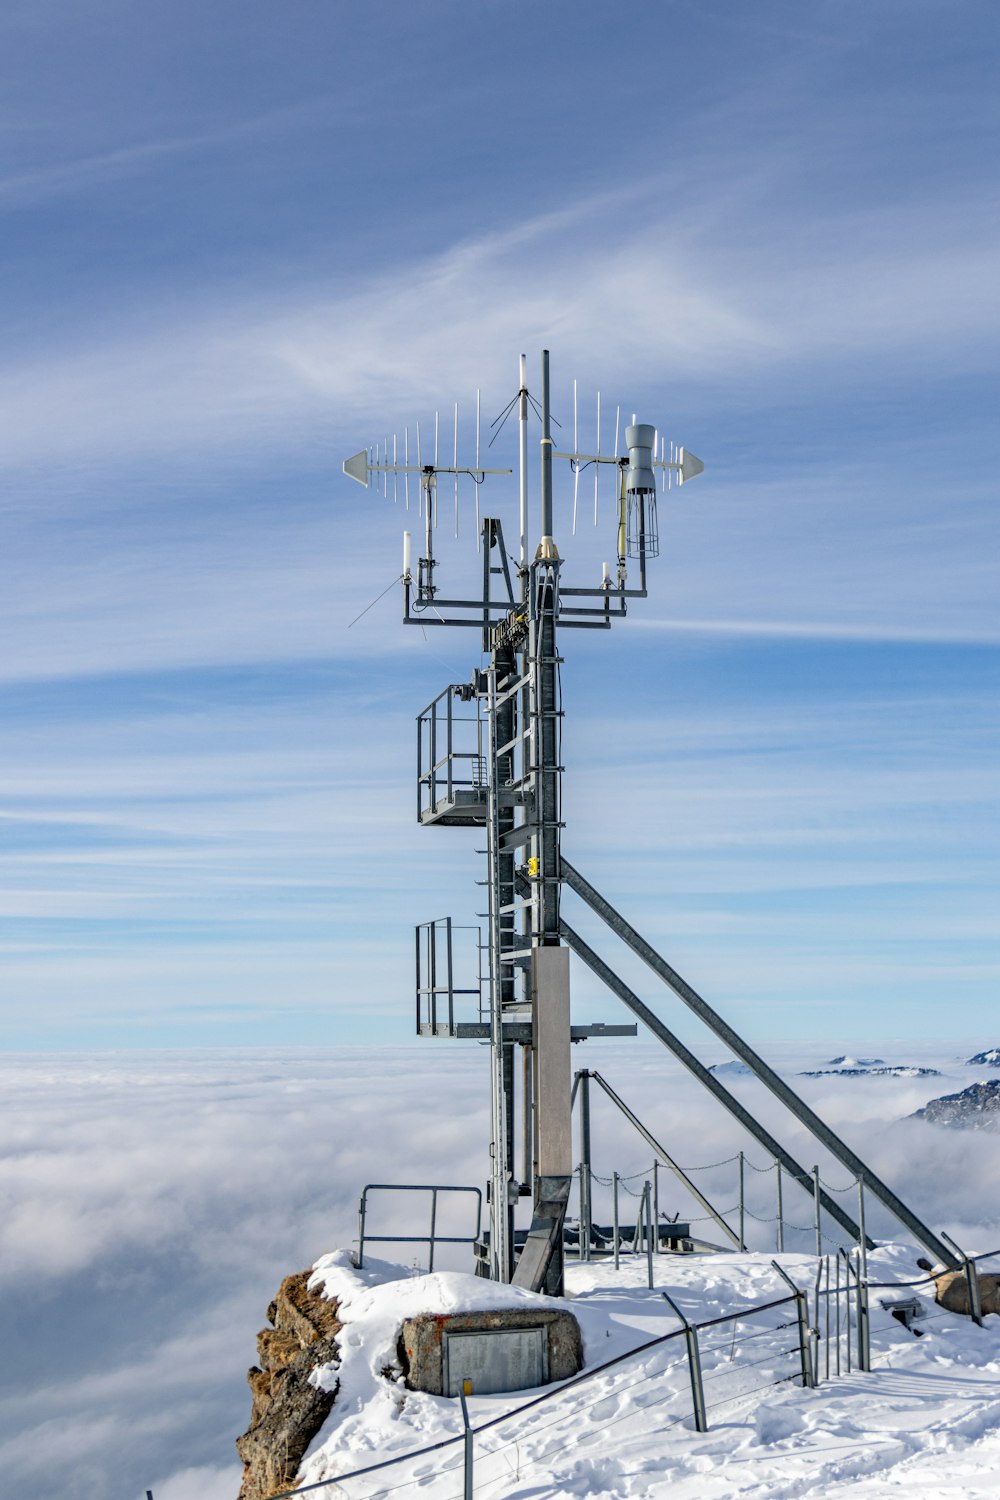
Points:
(705, 1365)
(452, 765)
(433, 1237)
(434, 950)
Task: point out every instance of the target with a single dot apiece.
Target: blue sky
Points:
(240, 242)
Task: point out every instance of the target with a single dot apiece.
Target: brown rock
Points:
(287, 1409)
(953, 1291)
(275, 1350)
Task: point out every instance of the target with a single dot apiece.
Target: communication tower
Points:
(489, 756)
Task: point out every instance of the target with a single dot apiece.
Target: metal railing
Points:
(434, 952)
(724, 1355)
(430, 1239)
(451, 753)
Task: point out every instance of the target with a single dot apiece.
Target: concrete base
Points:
(421, 1342)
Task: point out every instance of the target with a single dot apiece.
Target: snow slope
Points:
(924, 1422)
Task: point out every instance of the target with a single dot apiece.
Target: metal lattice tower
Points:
(510, 784)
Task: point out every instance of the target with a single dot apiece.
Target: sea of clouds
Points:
(153, 1201)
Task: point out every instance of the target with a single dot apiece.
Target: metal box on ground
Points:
(498, 1359)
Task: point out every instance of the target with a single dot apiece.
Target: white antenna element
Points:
(395, 472)
(690, 466)
(407, 547)
(597, 466)
(522, 415)
(479, 540)
(385, 476)
(437, 424)
(455, 462)
(406, 465)
(618, 414)
(420, 500)
(576, 467)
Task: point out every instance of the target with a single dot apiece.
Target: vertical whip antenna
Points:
(618, 420)
(395, 475)
(455, 462)
(522, 429)
(597, 466)
(576, 466)
(406, 466)
(420, 466)
(479, 540)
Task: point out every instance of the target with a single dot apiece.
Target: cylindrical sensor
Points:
(407, 547)
(640, 479)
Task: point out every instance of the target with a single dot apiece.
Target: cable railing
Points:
(781, 1352)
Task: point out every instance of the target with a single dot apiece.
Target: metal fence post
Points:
(819, 1231)
(847, 1274)
(361, 1228)
(781, 1214)
(826, 1328)
(816, 1321)
(864, 1341)
(467, 1391)
(837, 1295)
(743, 1243)
(656, 1204)
(975, 1304)
(862, 1236)
(694, 1366)
(579, 1175)
(434, 1207)
(614, 1207)
(971, 1281)
(647, 1199)
(805, 1340)
(586, 1211)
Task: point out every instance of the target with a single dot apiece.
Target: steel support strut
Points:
(726, 1099)
(837, 1148)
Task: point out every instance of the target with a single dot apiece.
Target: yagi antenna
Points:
(375, 463)
(635, 492)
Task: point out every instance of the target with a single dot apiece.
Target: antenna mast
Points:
(489, 756)
(514, 790)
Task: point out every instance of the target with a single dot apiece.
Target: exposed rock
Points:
(287, 1408)
(869, 1070)
(975, 1108)
(988, 1059)
(953, 1291)
(421, 1341)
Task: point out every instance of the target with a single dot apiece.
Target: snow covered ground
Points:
(925, 1421)
(152, 1203)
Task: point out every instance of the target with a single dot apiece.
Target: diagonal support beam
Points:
(771, 1080)
(726, 1099)
(665, 1157)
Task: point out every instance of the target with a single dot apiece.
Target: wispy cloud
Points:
(887, 290)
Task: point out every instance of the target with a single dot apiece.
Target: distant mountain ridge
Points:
(869, 1067)
(988, 1059)
(974, 1108)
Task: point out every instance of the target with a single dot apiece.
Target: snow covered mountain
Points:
(869, 1067)
(988, 1059)
(974, 1108)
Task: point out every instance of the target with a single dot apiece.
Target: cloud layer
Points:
(154, 1202)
